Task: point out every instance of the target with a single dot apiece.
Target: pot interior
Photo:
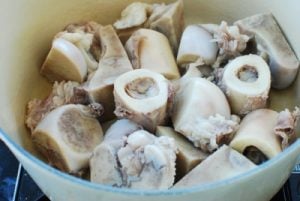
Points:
(28, 27)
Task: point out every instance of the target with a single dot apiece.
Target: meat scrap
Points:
(286, 126)
(134, 15)
(209, 134)
(166, 19)
(62, 93)
(230, 40)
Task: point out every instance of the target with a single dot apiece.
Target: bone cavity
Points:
(257, 130)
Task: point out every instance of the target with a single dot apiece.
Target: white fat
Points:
(142, 139)
(130, 161)
(154, 155)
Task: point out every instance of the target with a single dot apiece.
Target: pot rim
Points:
(169, 192)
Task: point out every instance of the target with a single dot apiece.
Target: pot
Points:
(27, 28)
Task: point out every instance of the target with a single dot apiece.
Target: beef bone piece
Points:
(166, 19)
(62, 93)
(148, 49)
(202, 114)
(113, 63)
(84, 37)
(222, 164)
(196, 44)
(64, 62)
(143, 97)
(169, 20)
(74, 53)
(188, 156)
(270, 40)
(267, 130)
(133, 158)
(68, 135)
(246, 81)
(257, 130)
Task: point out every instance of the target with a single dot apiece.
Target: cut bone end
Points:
(209, 99)
(257, 130)
(104, 166)
(196, 43)
(246, 81)
(247, 74)
(64, 62)
(83, 36)
(142, 96)
(68, 135)
(151, 50)
(142, 88)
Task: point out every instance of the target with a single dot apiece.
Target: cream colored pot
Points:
(27, 28)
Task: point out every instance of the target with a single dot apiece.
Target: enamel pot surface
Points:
(27, 29)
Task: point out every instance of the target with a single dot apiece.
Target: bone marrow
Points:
(246, 81)
(142, 96)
